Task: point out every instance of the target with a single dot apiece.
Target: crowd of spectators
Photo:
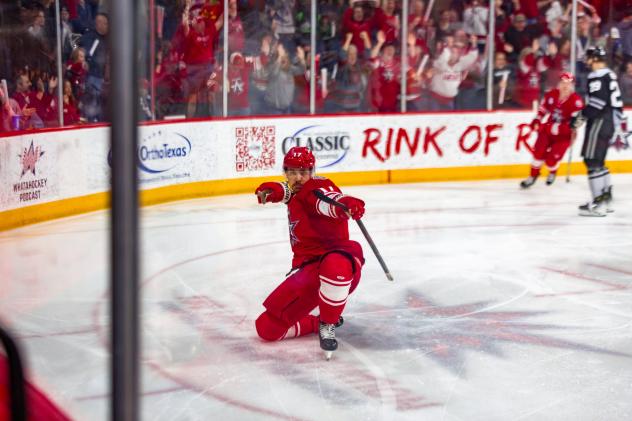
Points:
(358, 56)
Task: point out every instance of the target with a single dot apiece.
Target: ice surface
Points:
(506, 305)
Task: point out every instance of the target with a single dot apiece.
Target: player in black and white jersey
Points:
(603, 115)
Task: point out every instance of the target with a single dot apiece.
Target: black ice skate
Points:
(593, 208)
(328, 342)
(340, 322)
(528, 182)
(550, 179)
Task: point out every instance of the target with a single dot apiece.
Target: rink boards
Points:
(56, 173)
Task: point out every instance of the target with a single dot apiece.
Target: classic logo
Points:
(29, 158)
(330, 146)
(161, 151)
(255, 149)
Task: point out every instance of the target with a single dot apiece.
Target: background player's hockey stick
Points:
(568, 165)
(369, 240)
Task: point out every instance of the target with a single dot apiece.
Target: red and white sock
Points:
(336, 275)
(305, 326)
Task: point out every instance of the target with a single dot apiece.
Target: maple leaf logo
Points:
(29, 158)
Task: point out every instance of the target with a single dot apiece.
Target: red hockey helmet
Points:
(299, 157)
(567, 77)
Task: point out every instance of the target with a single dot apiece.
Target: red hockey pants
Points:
(325, 284)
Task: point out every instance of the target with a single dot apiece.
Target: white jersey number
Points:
(615, 96)
(594, 86)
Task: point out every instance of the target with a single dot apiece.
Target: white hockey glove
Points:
(620, 138)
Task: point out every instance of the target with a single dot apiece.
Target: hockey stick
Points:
(319, 194)
(568, 165)
(570, 155)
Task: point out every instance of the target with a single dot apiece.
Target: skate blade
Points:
(328, 355)
(588, 213)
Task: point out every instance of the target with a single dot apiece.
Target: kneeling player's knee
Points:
(269, 328)
(336, 264)
(336, 277)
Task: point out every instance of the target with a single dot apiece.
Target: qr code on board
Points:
(255, 148)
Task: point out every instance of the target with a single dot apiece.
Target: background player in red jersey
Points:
(555, 123)
(326, 266)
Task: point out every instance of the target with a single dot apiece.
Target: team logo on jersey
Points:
(330, 146)
(293, 237)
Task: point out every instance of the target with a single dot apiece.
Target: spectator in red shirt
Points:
(418, 26)
(23, 96)
(530, 67)
(302, 100)
(385, 83)
(70, 110)
(355, 22)
(559, 61)
(388, 21)
(239, 71)
(44, 101)
(416, 18)
(76, 72)
(236, 37)
(169, 75)
(199, 47)
(530, 9)
(212, 11)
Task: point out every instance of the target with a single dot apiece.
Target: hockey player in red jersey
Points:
(555, 123)
(326, 266)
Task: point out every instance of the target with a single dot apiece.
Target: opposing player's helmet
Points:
(596, 53)
(567, 77)
(299, 157)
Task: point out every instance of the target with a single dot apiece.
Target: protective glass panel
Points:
(32, 66)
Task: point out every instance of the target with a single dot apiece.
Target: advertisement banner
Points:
(30, 172)
(47, 166)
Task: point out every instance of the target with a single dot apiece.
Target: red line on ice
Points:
(583, 277)
(557, 294)
(611, 269)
